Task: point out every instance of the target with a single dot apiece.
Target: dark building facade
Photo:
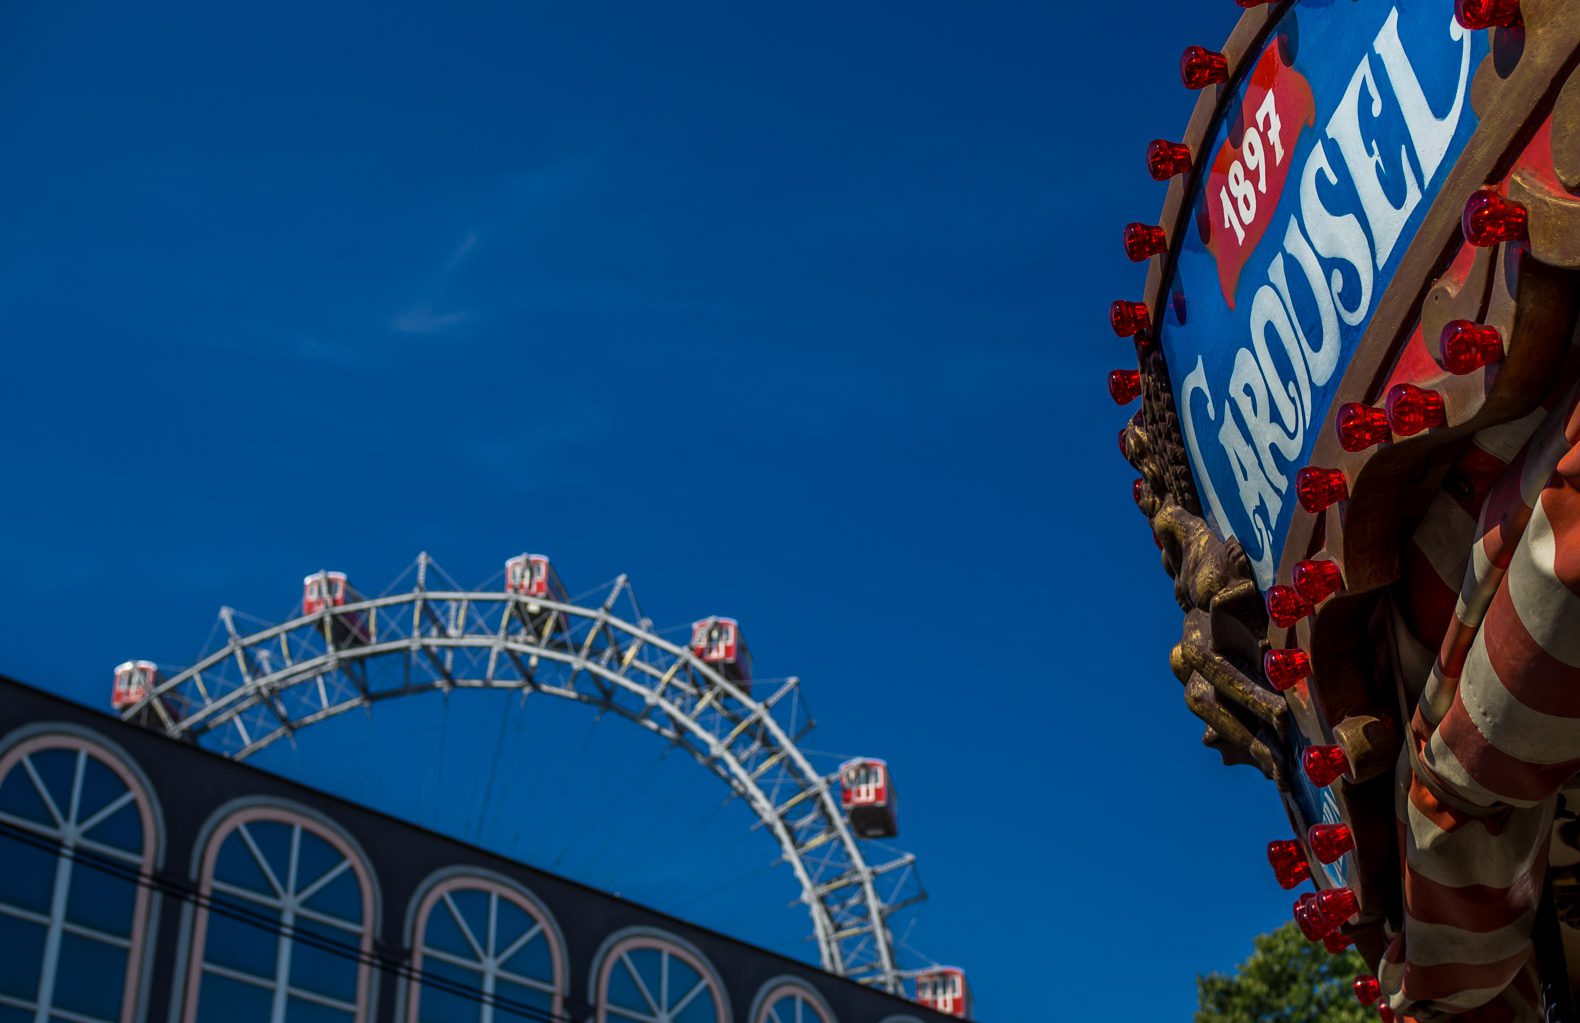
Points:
(144, 879)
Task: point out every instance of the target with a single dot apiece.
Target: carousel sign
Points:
(1321, 172)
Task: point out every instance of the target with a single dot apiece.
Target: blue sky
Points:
(795, 313)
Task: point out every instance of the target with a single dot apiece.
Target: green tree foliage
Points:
(1287, 980)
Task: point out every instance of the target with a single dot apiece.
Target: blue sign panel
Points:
(1321, 173)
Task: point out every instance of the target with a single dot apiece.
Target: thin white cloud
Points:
(523, 199)
(461, 252)
(423, 320)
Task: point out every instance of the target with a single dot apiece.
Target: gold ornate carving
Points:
(1218, 657)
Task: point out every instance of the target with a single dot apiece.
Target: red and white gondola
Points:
(329, 591)
(866, 793)
(532, 576)
(134, 680)
(718, 642)
(944, 989)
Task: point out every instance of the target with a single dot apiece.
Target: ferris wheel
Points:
(345, 651)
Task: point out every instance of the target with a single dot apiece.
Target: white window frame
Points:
(661, 1006)
(287, 903)
(68, 830)
(805, 1004)
(439, 898)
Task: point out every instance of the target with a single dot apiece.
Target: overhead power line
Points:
(382, 962)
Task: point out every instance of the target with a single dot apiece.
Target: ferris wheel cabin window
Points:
(291, 924)
(648, 978)
(79, 831)
(483, 952)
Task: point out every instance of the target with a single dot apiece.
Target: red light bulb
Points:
(1336, 942)
(1361, 426)
(1201, 67)
(1490, 219)
(1143, 241)
(1479, 14)
(1324, 765)
(1329, 842)
(1318, 580)
(1165, 159)
(1285, 606)
(1469, 346)
(1412, 410)
(1124, 386)
(1320, 489)
(1138, 490)
(1302, 915)
(1384, 1013)
(1367, 990)
(1284, 668)
(1289, 862)
(1337, 905)
(1306, 917)
(1129, 318)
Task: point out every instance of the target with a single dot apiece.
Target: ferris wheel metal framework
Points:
(260, 687)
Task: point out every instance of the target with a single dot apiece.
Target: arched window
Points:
(653, 979)
(791, 1001)
(285, 925)
(482, 952)
(76, 832)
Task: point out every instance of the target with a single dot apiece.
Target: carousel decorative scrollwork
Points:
(1219, 654)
